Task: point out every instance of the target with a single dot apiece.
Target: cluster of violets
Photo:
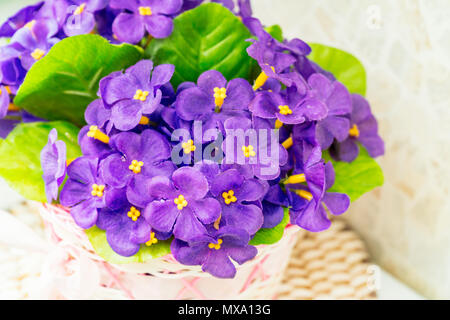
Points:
(126, 182)
(33, 30)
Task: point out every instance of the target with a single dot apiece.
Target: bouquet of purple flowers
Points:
(171, 126)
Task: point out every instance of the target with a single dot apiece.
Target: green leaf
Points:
(276, 32)
(345, 67)
(358, 177)
(66, 80)
(97, 237)
(208, 37)
(20, 163)
(273, 235)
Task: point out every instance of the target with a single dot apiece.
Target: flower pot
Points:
(164, 278)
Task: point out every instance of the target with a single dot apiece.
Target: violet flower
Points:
(273, 63)
(19, 20)
(235, 192)
(273, 205)
(310, 215)
(214, 252)
(338, 100)
(295, 107)
(4, 101)
(364, 129)
(36, 41)
(150, 15)
(144, 154)
(84, 192)
(181, 206)
(134, 94)
(81, 20)
(53, 162)
(213, 94)
(252, 145)
(126, 229)
(96, 142)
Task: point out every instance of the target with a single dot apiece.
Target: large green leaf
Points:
(273, 235)
(97, 237)
(65, 81)
(358, 177)
(344, 66)
(20, 163)
(208, 37)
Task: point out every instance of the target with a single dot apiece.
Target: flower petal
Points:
(190, 183)
(161, 215)
(187, 226)
(206, 210)
(128, 27)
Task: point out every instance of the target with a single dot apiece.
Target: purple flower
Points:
(92, 138)
(338, 100)
(311, 215)
(270, 55)
(11, 73)
(309, 168)
(273, 205)
(150, 15)
(134, 94)
(295, 107)
(229, 4)
(19, 20)
(214, 253)
(254, 145)
(53, 162)
(234, 192)
(85, 191)
(213, 94)
(181, 205)
(245, 8)
(81, 20)
(136, 154)
(126, 229)
(364, 129)
(35, 41)
(4, 101)
(190, 4)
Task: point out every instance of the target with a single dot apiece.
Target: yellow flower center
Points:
(285, 110)
(248, 151)
(145, 11)
(141, 95)
(304, 194)
(97, 190)
(152, 240)
(136, 166)
(188, 147)
(96, 134)
(38, 54)
(134, 214)
(13, 107)
(144, 120)
(289, 142)
(180, 202)
(298, 178)
(30, 24)
(215, 245)
(278, 124)
(219, 96)
(354, 131)
(80, 9)
(229, 197)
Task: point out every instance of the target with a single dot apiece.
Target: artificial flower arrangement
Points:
(181, 127)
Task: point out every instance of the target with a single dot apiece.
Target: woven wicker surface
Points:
(333, 264)
(329, 265)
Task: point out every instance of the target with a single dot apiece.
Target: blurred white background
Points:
(405, 48)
